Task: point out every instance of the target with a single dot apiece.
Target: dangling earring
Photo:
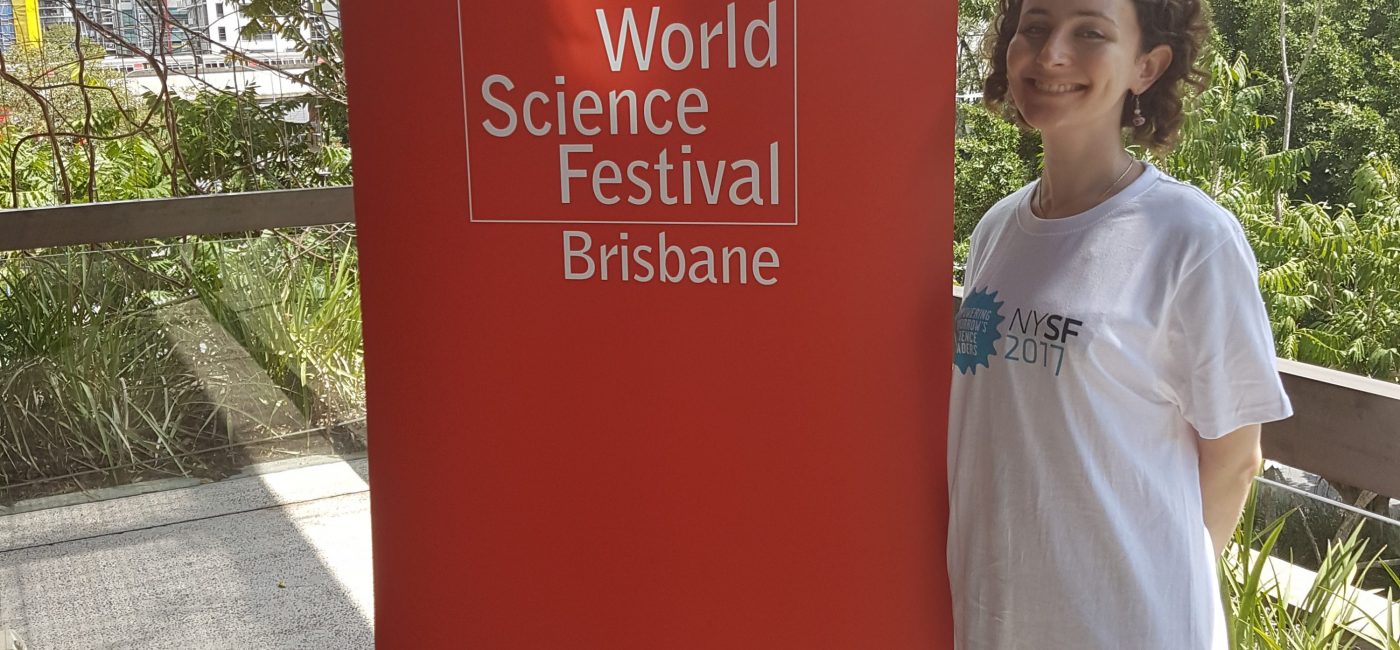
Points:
(1138, 119)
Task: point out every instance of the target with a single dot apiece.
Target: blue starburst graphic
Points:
(976, 331)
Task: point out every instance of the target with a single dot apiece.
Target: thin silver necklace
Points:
(1040, 205)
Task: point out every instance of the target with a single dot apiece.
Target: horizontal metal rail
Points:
(1345, 427)
(100, 223)
(1333, 503)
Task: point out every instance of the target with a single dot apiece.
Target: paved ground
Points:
(275, 560)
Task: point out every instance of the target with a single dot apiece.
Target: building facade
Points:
(7, 24)
(164, 26)
(170, 27)
(174, 27)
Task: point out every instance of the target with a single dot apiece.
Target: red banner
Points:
(657, 307)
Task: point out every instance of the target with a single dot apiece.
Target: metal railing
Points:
(1346, 428)
(100, 223)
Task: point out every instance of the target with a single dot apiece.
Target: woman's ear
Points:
(1152, 66)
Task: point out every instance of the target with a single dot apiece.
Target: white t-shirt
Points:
(1090, 350)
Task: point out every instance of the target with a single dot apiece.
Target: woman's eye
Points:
(1033, 30)
(1092, 34)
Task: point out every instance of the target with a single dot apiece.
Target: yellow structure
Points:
(27, 30)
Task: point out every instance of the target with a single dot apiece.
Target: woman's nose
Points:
(1054, 50)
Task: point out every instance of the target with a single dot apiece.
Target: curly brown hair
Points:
(1180, 24)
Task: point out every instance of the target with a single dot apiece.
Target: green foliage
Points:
(86, 378)
(1328, 272)
(1347, 96)
(294, 304)
(227, 143)
(117, 169)
(1344, 134)
(92, 378)
(51, 71)
(313, 28)
(91, 375)
(68, 113)
(973, 18)
(1223, 149)
(988, 166)
(1268, 609)
(72, 140)
(231, 144)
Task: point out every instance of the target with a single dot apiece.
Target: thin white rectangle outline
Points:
(467, 128)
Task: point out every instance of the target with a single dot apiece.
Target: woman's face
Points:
(1072, 62)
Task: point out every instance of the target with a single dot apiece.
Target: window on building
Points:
(223, 33)
(219, 9)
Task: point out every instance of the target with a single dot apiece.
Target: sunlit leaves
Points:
(1330, 274)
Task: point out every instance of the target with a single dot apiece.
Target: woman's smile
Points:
(1052, 88)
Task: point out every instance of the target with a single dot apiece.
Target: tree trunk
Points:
(1359, 498)
(1290, 82)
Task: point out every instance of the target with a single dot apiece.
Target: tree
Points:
(1290, 83)
(47, 77)
(974, 18)
(1351, 88)
(313, 28)
(78, 135)
(56, 95)
(988, 167)
(92, 381)
(1328, 272)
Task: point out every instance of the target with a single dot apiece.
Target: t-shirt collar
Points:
(1036, 225)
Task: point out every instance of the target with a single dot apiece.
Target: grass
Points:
(1269, 610)
(90, 381)
(86, 379)
(294, 303)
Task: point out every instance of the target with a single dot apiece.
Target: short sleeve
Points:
(1221, 367)
(974, 250)
(969, 268)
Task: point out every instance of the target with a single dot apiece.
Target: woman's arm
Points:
(1227, 465)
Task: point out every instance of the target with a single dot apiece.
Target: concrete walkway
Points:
(278, 558)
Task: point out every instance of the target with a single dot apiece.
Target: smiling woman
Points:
(1109, 382)
(1095, 28)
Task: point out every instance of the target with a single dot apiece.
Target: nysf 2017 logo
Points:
(674, 113)
(1033, 337)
